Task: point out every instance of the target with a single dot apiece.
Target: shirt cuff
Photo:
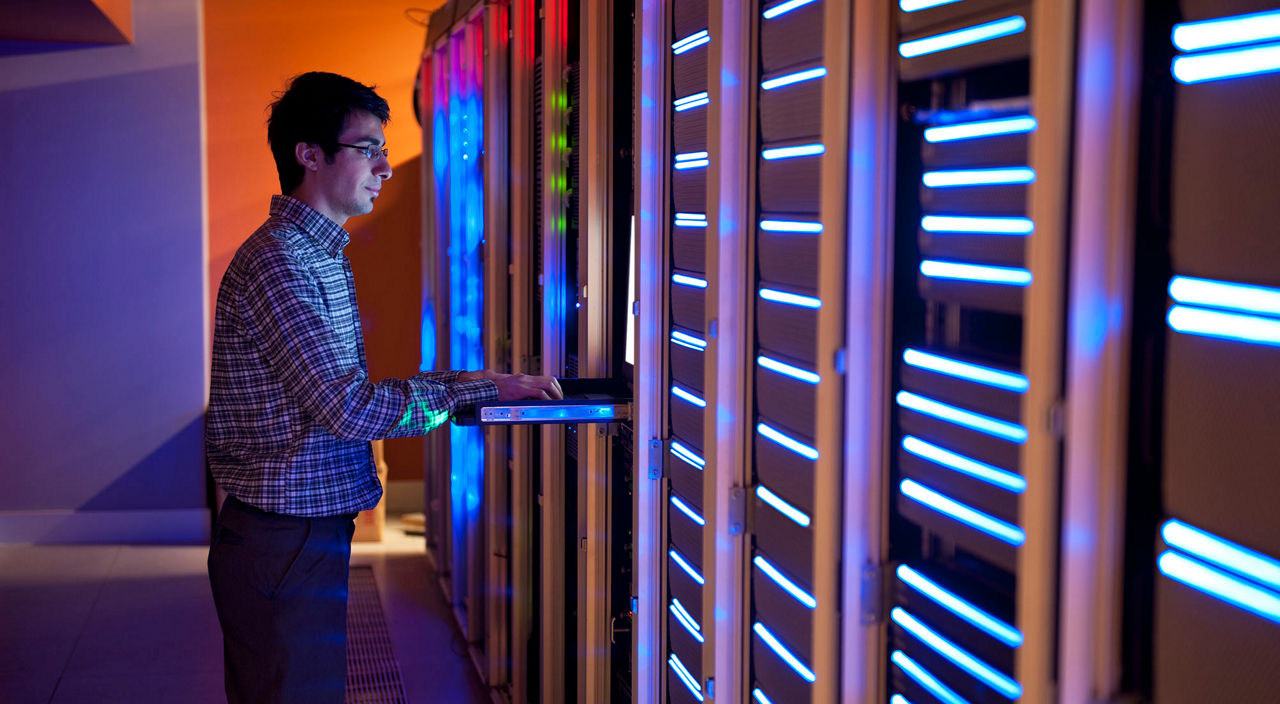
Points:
(469, 393)
(448, 377)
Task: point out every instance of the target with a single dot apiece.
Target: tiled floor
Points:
(123, 623)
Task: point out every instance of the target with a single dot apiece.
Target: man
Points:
(292, 410)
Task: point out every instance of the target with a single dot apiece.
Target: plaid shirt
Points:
(291, 406)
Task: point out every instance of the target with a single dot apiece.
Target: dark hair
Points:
(314, 109)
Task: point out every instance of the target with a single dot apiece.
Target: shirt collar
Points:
(327, 233)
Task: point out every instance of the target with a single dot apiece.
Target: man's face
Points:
(348, 186)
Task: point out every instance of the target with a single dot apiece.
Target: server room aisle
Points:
(127, 623)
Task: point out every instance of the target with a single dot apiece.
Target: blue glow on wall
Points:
(960, 657)
(963, 37)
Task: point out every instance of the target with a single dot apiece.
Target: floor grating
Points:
(373, 673)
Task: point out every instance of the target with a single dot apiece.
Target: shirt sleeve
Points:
(285, 310)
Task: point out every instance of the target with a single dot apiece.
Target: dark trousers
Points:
(280, 589)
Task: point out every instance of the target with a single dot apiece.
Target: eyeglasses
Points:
(370, 151)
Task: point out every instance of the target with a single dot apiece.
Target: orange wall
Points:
(252, 48)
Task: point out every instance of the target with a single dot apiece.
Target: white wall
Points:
(102, 261)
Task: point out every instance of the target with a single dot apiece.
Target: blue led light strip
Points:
(691, 220)
(1244, 298)
(1219, 584)
(689, 456)
(787, 370)
(963, 37)
(691, 101)
(964, 224)
(965, 465)
(790, 78)
(962, 658)
(692, 160)
(693, 40)
(684, 339)
(782, 506)
(1190, 69)
(791, 299)
(685, 395)
(965, 370)
(977, 273)
(991, 625)
(899, 699)
(686, 280)
(1227, 31)
(1206, 546)
(791, 226)
(925, 679)
(759, 696)
(782, 652)
(781, 580)
(688, 568)
(917, 5)
(976, 421)
(1228, 326)
(684, 508)
(787, 441)
(972, 517)
(783, 8)
(684, 675)
(686, 619)
(956, 178)
(799, 150)
(979, 129)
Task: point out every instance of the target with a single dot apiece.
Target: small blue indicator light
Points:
(693, 40)
(787, 369)
(784, 7)
(787, 656)
(993, 626)
(982, 128)
(791, 299)
(788, 442)
(782, 506)
(1232, 63)
(965, 465)
(963, 37)
(688, 569)
(799, 150)
(677, 609)
(926, 679)
(1228, 326)
(791, 226)
(965, 370)
(964, 224)
(1224, 553)
(684, 508)
(781, 580)
(976, 421)
(956, 178)
(683, 673)
(686, 280)
(1227, 31)
(995, 679)
(968, 515)
(687, 396)
(1225, 294)
(790, 78)
(1220, 585)
(977, 273)
(689, 456)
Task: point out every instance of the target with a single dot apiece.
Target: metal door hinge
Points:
(655, 458)
(875, 594)
(737, 510)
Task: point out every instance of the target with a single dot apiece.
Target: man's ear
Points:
(308, 155)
